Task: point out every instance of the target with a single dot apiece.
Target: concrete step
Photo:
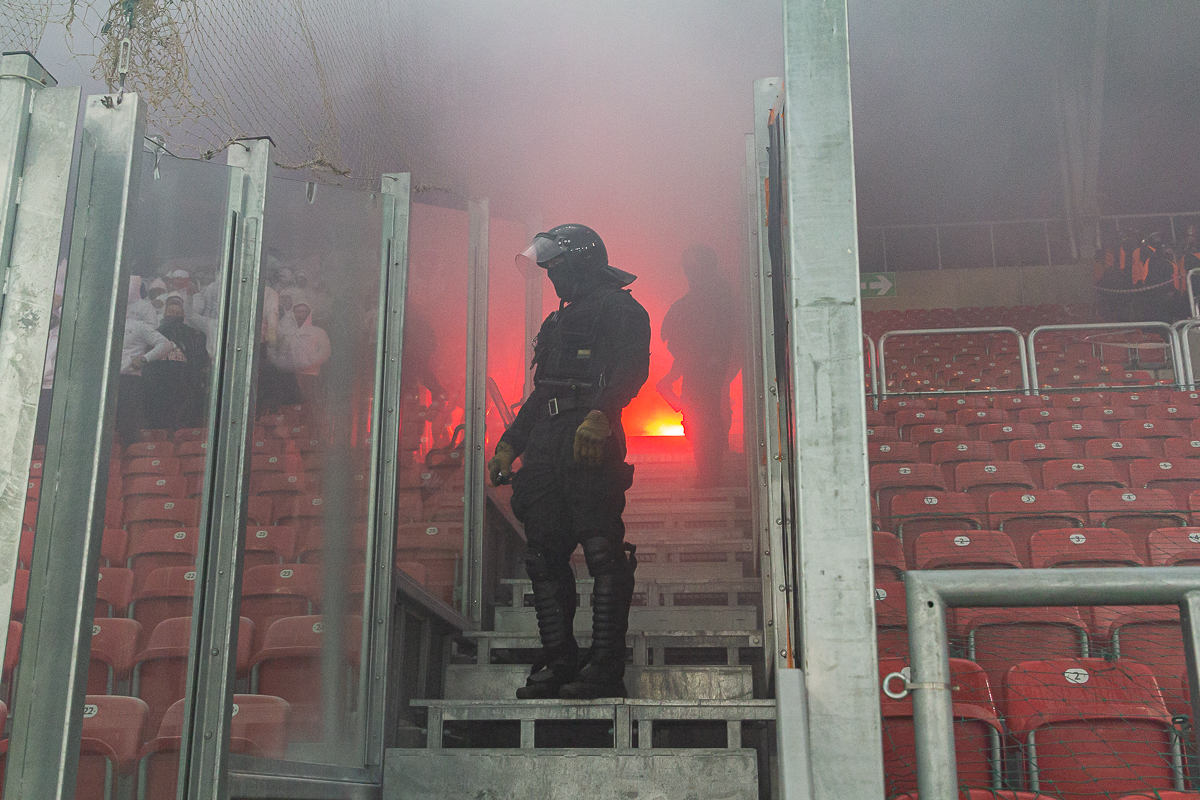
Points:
(501, 681)
(684, 591)
(644, 618)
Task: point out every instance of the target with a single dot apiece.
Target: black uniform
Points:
(592, 354)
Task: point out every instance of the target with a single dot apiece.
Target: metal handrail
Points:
(1182, 328)
(1025, 374)
(1192, 292)
(1172, 341)
(874, 367)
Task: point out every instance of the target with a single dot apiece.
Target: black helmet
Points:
(582, 246)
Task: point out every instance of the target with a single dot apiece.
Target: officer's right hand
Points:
(500, 466)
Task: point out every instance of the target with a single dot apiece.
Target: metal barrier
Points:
(930, 593)
(872, 365)
(1171, 341)
(1192, 292)
(1025, 373)
(1182, 328)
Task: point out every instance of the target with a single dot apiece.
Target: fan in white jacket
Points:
(302, 348)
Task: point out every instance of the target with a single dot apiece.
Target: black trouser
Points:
(706, 420)
(174, 397)
(564, 505)
(130, 409)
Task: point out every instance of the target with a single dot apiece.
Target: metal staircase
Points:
(697, 720)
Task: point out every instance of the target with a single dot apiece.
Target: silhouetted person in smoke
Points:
(592, 357)
(701, 331)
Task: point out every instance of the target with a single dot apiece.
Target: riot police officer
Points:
(591, 358)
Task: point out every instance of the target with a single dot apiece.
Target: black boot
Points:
(604, 673)
(554, 599)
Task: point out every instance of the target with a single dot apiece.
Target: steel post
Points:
(475, 408)
(385, 432)
(777, 592)
(1189, 616)
(37, 135)
(51, 678)
(929, 654)
(212, 662)
(836, 594)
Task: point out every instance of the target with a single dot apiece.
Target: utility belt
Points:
(570, 395)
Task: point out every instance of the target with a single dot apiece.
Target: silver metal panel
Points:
(1170, 342)
(377, 618)
(52, 675)
(929, 594)
(21, 78)
(775, 574)
(204, 752)
(1025, 358)
(475, 409)
(471, 682)
(791, 731)
(836, 600)
(571, 774)
(32, 234)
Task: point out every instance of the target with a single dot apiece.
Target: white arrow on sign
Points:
(882, 284)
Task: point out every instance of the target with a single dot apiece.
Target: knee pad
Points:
(542, 566)
(606, 556)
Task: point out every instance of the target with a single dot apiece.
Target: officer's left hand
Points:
(590, 438)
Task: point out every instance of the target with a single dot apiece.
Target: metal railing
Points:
(882, 390)
(1192, 292)
(874, 371)
(1182, 329)
(931, 593)
(1170, 342)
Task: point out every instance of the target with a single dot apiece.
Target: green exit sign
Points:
(877, 284)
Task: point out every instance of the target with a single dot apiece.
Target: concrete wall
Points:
(991, 286)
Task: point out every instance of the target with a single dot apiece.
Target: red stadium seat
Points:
(947, 454)
(1179, 478)
(160, 670)
(965, 550)
(112, 731)
(1035, 452)
(889, 557)
(302, 512)
(1180, 411)
(997, 638)
(1083, 547)
(260, 511)
(1118, 414)
(1149, 635)
(289, 666)
(1155, 430)
(157, 466)
(1001, 435)
(1019, 402)
(881, 433)
(167, 594)
(907, 418)
(925, 436)
(288, 462)
(146, 487)
(1022, 514)
(1100, 728)
(266, 446)
(113, 545)
(888, 480)
(913, 513)
(984, 477)
(267, 544)
(1041, 418)
(952, 404)
(1120, 452)
(891, 620)
(1181, 448)
(258, 727)
(977, 731)
(184, 435)
(976, 417)
(162, 514)
(310, 545)
(20, 594)
(1170, 547)
(1079, 401)
(1079, 477)
(161, 547)
(283, 486)
(1136, 512)
(892, 452)
(1001, 794)
(114, 644)
(149, 450)
(114, 591)
(1079, 431)
(273, 592)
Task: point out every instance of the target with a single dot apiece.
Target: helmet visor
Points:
(542, 249)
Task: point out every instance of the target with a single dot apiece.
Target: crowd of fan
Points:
(1144, 278)
(167, 351)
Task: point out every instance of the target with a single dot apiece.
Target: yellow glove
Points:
(590, 438)
(500, 466)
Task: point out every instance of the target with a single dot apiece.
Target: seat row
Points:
(1070, 728)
